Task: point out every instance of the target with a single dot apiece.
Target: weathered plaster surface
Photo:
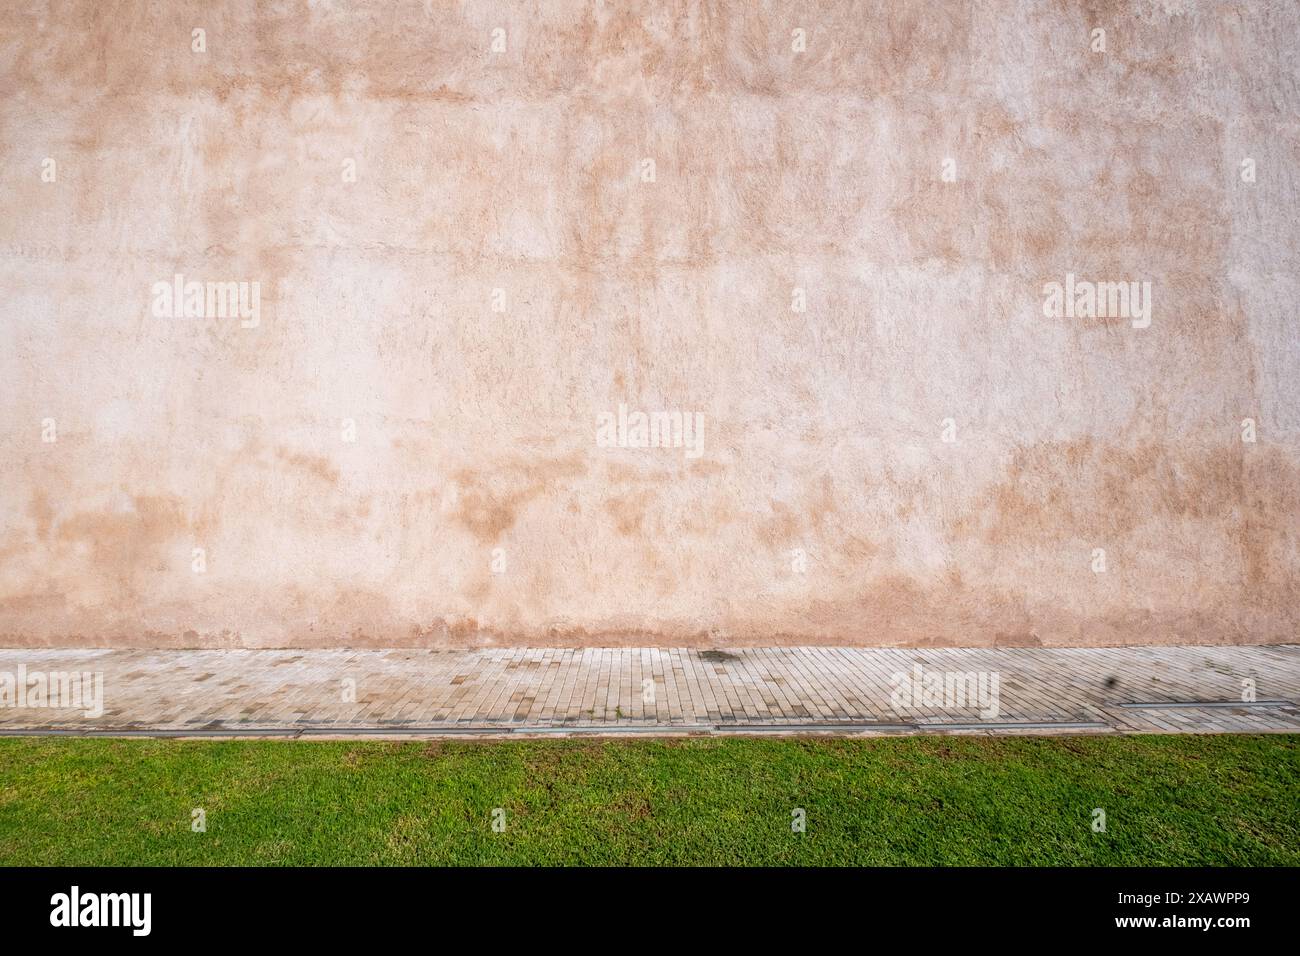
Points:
(774, 170)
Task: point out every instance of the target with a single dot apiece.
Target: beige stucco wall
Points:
(522, 171)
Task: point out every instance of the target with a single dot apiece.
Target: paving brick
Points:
(544, 687)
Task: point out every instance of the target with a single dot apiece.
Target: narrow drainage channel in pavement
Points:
(1199, 704)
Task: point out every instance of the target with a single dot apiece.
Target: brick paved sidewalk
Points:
(662, 691)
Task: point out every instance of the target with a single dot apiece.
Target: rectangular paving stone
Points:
(602, 687)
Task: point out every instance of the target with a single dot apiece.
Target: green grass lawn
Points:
(917, 800)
